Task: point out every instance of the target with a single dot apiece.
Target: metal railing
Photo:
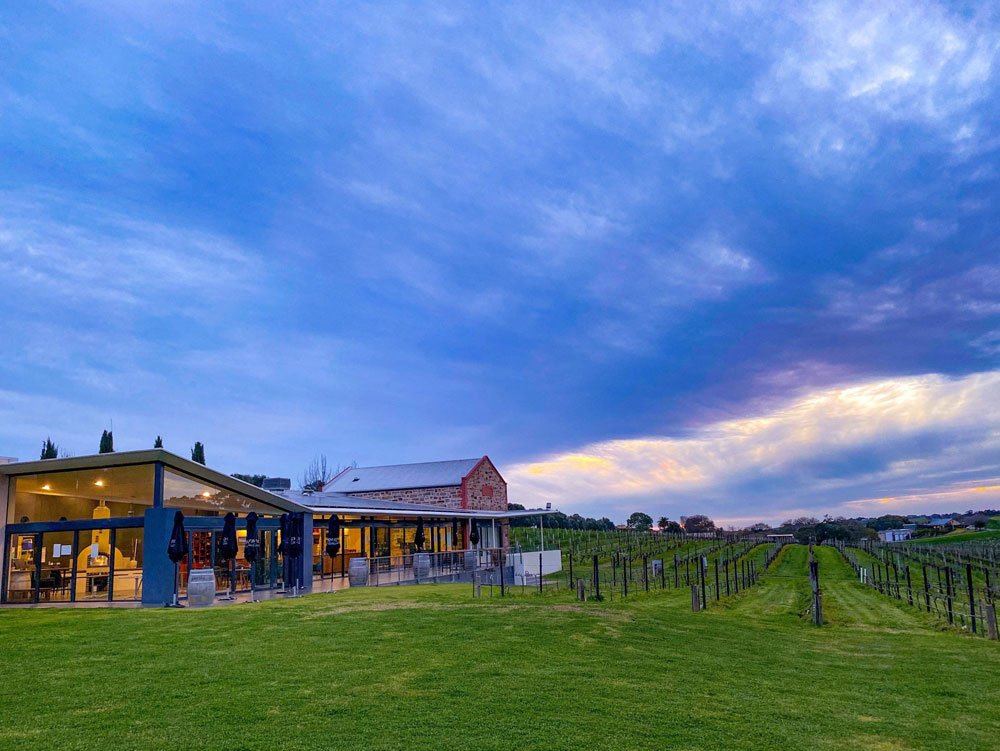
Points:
(413, 568)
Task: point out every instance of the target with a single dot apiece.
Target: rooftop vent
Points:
(277, 483)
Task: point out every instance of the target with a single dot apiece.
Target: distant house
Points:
(971, 520)
(780, 538)
(894, 535)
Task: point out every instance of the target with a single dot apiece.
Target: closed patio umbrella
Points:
(454, 534)
(419, 539)
(473, 533)
(177, 550)
(294, 552)
(251, 551)
(227, 550)
(332, 543)
(283, 525)
(333, 536)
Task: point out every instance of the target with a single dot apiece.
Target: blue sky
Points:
(737, 259)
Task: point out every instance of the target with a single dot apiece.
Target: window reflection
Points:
(81, 494)
(198, 498)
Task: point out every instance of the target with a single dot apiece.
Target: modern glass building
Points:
(96, 528)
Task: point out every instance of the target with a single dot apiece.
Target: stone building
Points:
(468, 484)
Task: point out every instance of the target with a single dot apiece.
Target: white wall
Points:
(527, 563)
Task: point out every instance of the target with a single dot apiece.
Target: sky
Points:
(739, 259)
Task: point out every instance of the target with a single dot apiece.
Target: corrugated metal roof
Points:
(399, 476)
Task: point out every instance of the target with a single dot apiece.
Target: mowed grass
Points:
(953, 538)
(430, 667)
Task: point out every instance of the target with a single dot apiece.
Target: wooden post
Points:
(695, 604)
(947, 581)
(991, 622)
(597, 581)
(677, 581)
(927, 590)
(972, 598)
(717, 592)
(581, 591)
(909, 588)
(702, 565)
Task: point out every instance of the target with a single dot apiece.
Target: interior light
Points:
(206, 494)
(46, 487)
(99, 483)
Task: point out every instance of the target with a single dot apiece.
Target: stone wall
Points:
(485, 489)
(449, 496)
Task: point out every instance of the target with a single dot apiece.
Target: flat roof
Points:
(151, 456)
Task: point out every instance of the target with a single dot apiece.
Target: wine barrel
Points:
(201, 588)
(357, 572)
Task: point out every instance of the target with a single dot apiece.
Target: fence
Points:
(946, 583)
(712, 570)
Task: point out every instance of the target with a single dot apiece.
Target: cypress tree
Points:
(49, 449)
(158, 443)
(107, 443)
(198, 453)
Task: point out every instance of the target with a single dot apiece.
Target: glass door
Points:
(22, 571)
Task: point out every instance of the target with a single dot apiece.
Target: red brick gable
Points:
(483, 489)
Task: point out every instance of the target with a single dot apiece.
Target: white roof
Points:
(400, 476)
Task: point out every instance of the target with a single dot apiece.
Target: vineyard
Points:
(651, 642)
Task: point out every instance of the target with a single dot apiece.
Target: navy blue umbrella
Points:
(251, 551)
(473, 533)
(295, 532)
(419, 539)
(333, 536)
(228, 547)
(251, 548)
(226, 550)
(283, 526)
(177, 550)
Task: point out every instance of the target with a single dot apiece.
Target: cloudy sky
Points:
(738, 259)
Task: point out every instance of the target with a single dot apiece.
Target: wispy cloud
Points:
(813, 452)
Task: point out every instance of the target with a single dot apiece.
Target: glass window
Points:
(128, 564)
(57, 567)
(93, 565)
(198, 498)
(81, 494)
(22, 569)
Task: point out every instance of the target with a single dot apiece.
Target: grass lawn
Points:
(429, 667)
(955, 537)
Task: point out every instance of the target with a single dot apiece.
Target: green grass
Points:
(429, 667)
(953, 538)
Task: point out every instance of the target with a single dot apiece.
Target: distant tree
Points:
(674, 528)
(889, 521)
(257, 480)
(198, 452)
(317, 474)
(662, 523)
(49, 449)
(107, 443)
(980, 524)
(640, 521)
(158, 443)
(758, 528)
(699, 523)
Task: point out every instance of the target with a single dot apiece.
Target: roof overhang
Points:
(152, 456)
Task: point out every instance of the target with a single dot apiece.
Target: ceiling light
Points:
(206, 494)
(46, 487)
(99, 483)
